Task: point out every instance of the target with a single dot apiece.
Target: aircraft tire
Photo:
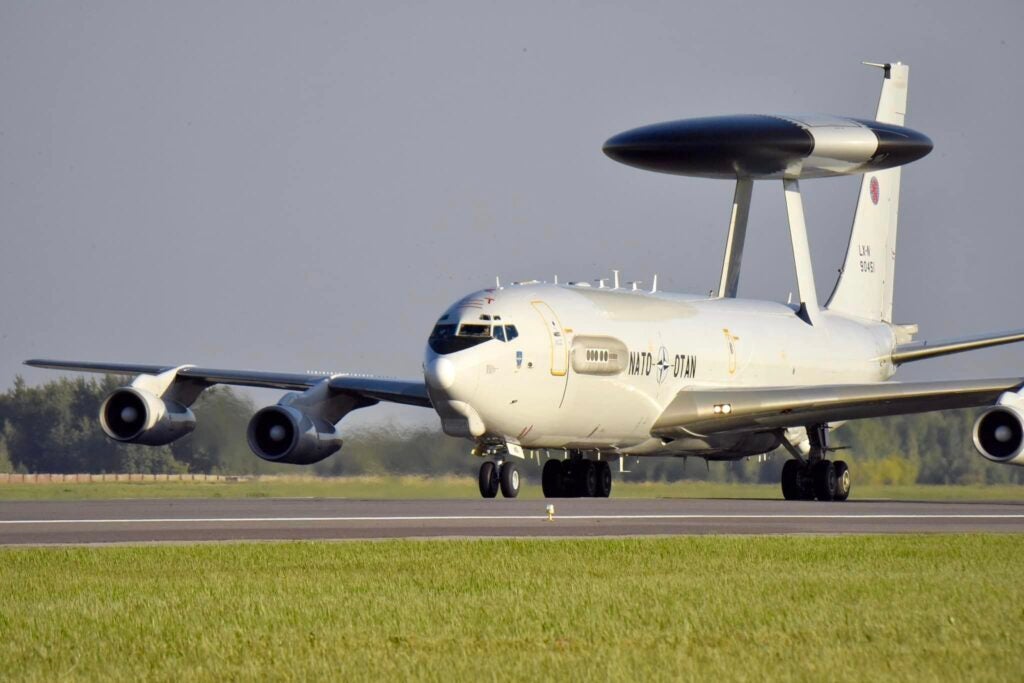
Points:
(571, 478)
(509, 480)
(791, 480)
(489, 480)
(824, 476)
(586, 483)
(604, 479)
(843, 483)
(551, 479)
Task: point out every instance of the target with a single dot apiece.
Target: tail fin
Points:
(866, 282)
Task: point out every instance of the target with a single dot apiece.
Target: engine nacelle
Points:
(999, 433)
(286, 434)
(134, 415)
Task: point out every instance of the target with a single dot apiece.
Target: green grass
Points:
(929, 607)
(453, 487)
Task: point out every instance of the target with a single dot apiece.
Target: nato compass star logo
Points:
(662, 365)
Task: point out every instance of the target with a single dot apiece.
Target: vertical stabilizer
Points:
(865, 285)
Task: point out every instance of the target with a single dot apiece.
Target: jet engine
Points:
(285, 434)
(999, 434)
(134, 415)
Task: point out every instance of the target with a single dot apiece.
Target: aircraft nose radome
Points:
(440, 373)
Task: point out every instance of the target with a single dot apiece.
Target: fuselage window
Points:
(597, 355)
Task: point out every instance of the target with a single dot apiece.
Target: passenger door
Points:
(556, 337)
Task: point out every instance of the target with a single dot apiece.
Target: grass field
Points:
(453, 487)
(935, 607)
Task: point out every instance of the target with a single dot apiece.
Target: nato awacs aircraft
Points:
(590, 374)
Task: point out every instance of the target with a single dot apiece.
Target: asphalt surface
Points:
(141, 521)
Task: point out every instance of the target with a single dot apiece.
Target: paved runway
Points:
(137, 521)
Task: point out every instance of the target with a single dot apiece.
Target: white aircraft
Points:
(591, 374)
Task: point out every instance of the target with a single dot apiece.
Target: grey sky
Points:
(308, 185)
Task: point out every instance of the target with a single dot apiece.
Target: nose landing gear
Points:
(502, 477)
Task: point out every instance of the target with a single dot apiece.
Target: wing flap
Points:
(704, 412)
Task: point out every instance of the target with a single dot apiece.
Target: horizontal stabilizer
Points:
(906, 353)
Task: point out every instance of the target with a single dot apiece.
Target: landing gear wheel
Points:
(791, 471)
(604, 479)
(551, 479)
(489, 480)
(509, 480)
(587, 482)
(843, 482)
(824, 476)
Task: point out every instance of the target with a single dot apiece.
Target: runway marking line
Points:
(480, 518)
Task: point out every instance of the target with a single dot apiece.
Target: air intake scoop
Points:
(763, 147)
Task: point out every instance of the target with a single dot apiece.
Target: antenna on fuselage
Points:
(616, 278)
(497, 282)
(556, 278)
(654, 287)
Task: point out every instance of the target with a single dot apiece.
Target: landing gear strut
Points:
(816, 477)
(502, 477)
(576, 478)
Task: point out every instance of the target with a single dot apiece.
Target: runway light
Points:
(550, 509)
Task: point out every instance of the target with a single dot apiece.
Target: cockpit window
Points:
(475, 331)
(444, 340)
(448, 338)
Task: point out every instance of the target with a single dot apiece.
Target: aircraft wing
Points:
(708, 411)
(365, 386)
(906, 353)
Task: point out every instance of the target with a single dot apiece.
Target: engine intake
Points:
(286, 434)
(133, 415)
(999, 435)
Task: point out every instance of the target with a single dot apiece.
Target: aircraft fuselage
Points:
(593, 368)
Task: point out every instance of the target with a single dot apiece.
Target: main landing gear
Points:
(499, 476)
(576, 478)
(816, 477)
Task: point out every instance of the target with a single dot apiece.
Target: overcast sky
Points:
(297, 185)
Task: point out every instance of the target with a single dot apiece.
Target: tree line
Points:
(54, 428)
